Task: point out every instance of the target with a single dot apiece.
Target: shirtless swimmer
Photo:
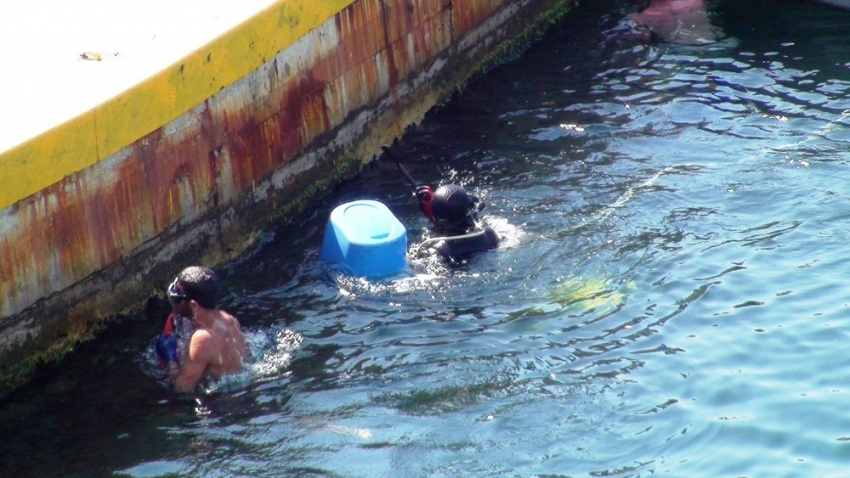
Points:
(216, 347)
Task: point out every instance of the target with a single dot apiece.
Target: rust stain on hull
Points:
(104, 239)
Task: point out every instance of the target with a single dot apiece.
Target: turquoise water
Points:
(668, 299)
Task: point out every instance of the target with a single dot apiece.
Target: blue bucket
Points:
(366, 239)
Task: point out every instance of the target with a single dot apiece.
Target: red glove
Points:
(424, 194)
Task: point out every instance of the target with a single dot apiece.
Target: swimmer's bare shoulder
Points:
(217, 346)
(234, 343)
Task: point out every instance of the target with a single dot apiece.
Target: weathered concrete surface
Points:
(190, 164)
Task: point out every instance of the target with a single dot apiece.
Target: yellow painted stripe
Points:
(94, 135)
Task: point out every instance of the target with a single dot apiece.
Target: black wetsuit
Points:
(459, 249)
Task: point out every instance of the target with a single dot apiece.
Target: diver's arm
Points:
(186, 377)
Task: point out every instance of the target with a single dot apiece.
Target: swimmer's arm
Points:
(185, 378)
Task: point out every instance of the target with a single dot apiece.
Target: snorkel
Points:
(423, 192)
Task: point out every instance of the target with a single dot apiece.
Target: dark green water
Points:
(669, 298)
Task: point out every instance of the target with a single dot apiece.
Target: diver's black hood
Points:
(453, 209)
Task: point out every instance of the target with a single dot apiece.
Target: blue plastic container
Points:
(366, 239)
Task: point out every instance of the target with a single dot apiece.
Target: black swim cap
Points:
(200, 284)
(452, 207)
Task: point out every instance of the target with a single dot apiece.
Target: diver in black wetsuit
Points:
(453, 212)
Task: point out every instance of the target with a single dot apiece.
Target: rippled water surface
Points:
(669, 298)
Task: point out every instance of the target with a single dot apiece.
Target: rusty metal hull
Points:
(199, 188)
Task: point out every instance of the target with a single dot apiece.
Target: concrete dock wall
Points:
(99, 213)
